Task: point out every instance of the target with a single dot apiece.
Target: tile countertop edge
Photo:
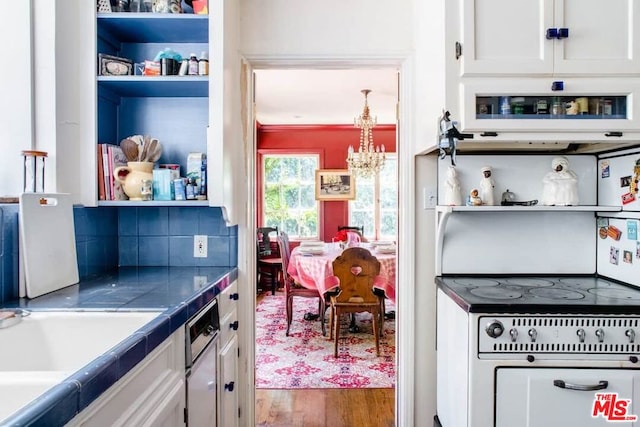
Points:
(62, 402)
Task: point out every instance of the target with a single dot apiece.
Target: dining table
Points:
(312, 267)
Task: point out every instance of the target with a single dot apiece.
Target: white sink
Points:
(46, 347)
(65, 341)
(19, 388)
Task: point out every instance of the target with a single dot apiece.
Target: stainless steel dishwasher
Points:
(201, 355)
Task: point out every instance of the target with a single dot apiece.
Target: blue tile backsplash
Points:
(108, 237)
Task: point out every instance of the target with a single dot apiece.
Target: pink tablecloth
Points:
(316, 271)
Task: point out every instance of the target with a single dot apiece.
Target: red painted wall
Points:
(330, 142)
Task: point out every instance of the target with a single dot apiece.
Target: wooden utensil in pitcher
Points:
(130, 149)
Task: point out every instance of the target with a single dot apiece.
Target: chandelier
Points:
(368, 160)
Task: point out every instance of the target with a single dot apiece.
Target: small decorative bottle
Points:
(193, 65)
(203, 64)
(202, 191)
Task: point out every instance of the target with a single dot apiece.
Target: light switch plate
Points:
(200, 246)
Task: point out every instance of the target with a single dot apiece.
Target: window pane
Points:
(376, 203)
(289, 194)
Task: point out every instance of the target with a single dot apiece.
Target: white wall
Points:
(338, 34)
(331, 28)
(16, 100)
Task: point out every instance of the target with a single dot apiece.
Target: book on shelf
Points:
(116, 159)
(101, 186)
(110, 156)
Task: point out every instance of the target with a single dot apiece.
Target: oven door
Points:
(543, 397)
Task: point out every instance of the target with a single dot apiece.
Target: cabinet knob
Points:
(557, 33)
(229, 386)
(552, 33)
(613, 133)
(557, 85)
(234, 325)
(234, 296)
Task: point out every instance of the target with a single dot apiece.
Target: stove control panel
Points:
(559, 335)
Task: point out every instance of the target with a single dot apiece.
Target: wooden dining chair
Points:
(293, 289)
(269, 261)
(356, 270)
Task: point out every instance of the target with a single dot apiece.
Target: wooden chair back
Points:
(267, 243)
(356, 269)
(285, 254)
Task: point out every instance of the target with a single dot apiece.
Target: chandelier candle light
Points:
(368, 160)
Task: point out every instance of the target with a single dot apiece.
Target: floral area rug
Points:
(304, 359)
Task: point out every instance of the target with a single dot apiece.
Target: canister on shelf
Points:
(178, 189)
(583, 105)
(33, 171)
(517, 105)
(542, 106)
(505, 105)
(193, 65)
(146, 189)
(203, 64)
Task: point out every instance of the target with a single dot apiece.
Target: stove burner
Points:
(496, 293)
(536, 283)
(578, 282)
(476, 282)
(555, 293)
(627, 294)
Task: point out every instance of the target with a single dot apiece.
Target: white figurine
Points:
(452, 195)
(473, 199)
(487, 186)
(560, 186)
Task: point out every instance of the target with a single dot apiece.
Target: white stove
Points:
(537, 351)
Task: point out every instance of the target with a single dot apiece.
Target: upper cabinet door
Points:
(603, 37)
(549, 37)
(506, 37)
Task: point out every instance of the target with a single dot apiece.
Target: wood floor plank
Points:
(325, 408)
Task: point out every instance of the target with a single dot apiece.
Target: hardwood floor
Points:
(366, 407)
(325, 408)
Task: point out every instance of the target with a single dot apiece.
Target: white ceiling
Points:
(324, 96)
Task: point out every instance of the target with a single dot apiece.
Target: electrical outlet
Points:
(199, 246)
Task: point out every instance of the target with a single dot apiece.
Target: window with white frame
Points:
(376, 204)
(288, 194)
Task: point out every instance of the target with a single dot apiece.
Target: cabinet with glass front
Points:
(541, 107)
(572, 105)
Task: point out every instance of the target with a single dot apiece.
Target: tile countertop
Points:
(177, 292)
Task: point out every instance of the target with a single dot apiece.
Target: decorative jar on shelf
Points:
(131, 177)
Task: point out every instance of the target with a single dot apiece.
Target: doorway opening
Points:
(304, 112)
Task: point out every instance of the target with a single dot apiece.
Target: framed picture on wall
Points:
(335, 184)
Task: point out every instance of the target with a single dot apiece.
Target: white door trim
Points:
(405, 323)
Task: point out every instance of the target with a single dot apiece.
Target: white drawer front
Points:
(528, 397)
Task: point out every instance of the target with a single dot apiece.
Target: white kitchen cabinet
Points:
(151, 394)
(228, 399)
(509, 37)
(609, 107)
(228, 414)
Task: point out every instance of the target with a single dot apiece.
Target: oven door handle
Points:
(563, 384)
